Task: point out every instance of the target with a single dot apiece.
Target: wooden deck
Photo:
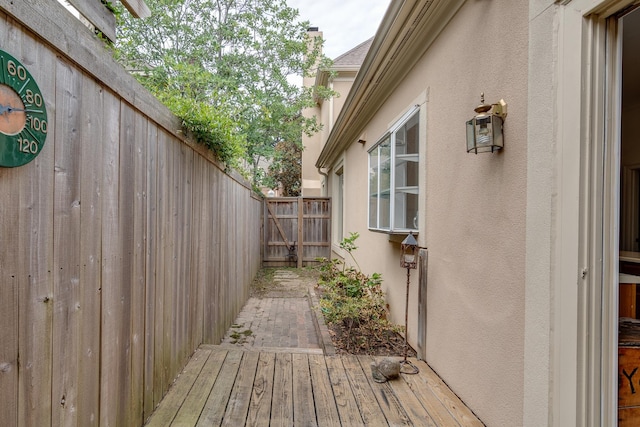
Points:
(232, 387)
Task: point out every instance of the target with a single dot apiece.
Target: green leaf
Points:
(222, 66)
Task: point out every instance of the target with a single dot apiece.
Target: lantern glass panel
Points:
(409, 257)
(484, 131)
(498, 139)
(484, 134)
(471, 136)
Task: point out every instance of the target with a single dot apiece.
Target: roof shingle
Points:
(354, 57)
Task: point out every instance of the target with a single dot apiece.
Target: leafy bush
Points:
(348, 244)
(354, 301)
(183, 88)
(211, 127)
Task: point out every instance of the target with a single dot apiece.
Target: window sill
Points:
(396, 236)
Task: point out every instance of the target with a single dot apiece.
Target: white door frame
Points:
(584, 287)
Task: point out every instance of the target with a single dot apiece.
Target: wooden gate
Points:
(297, 231)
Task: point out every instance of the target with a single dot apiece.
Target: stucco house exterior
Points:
(515, 304)
(339, 78)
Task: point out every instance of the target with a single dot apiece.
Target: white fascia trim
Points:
(372, 86)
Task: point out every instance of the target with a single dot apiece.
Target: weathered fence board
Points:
(34, 258)
(161, 370)
(111, 266)
(125, 284)
(139, 157)
(90, 253)
(151, 266)
(97, 13)
(297, 231)
(66, 246)
(138, 8)
(11, 274)
(124, 245)
(316, 228)
(9, 302)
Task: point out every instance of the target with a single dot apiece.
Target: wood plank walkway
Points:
(234, 387)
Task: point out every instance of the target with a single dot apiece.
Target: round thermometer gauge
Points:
(23, 114)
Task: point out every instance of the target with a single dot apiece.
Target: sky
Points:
(344, 23)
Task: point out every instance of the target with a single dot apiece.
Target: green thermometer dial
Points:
(23, 114)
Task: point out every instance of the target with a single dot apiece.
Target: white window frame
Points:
(339, 205)
(391, 136)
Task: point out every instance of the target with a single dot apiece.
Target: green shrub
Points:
(354, 301)
(211, 126)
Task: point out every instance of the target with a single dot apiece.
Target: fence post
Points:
(300, 233)
(422, 303)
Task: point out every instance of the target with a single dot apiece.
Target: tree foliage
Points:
(286, 169)
(223, 67)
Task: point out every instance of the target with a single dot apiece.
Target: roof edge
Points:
(406, 32)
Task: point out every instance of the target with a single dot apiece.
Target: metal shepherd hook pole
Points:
(409, 246)
(407, 367)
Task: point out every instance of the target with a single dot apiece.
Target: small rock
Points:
(385, 369)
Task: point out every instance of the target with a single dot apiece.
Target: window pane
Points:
(412, 211)
(411, 130)
(406, 211)
(393, 179)
(373, 188)
(385, 185)
(339, 219)
(406, 175)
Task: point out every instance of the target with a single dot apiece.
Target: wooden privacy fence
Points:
(297, 231)
(123, 245)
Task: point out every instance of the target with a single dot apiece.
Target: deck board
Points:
(326, 409)
(436, 409)
(216, 405)
(456, 408)
(371, 412)
(282, 401)
(260, 406)
(192, 406)
(223, 386)
(343, 393)
(412, 408)
(304, 411)
(172, 402)
(386, 399)
(238, 404)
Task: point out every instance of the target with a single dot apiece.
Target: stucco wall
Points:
(476, 209)
(326, 113)
(312, 145)
(541, 193)
(311, 179)
(342, 84)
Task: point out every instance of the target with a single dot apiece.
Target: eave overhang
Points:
(405, 33)
(322, 78)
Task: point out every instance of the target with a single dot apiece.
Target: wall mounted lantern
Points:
(408, 260)
(484, 130)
